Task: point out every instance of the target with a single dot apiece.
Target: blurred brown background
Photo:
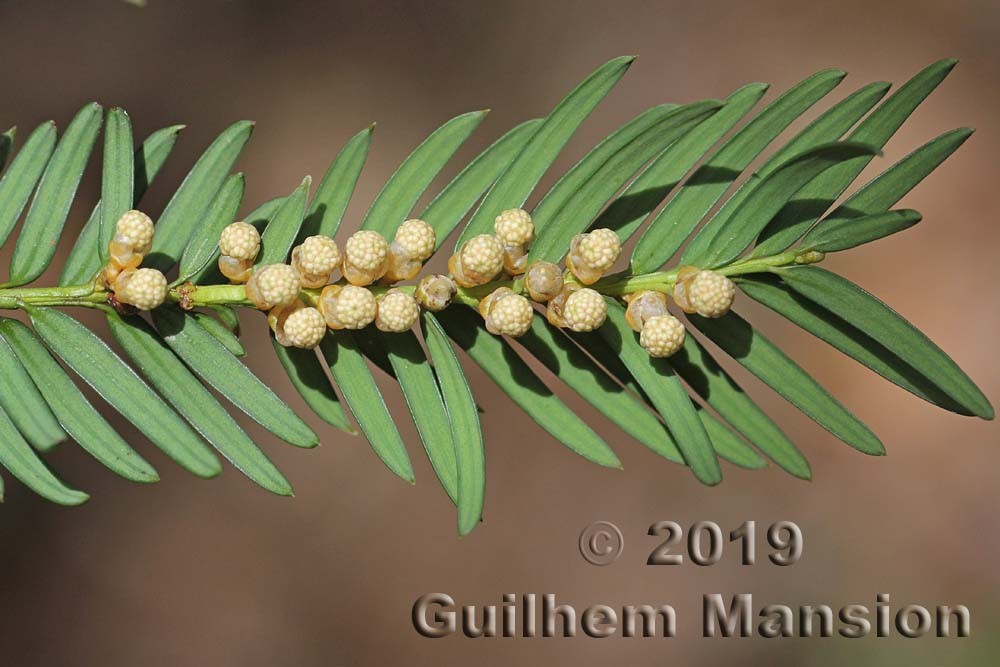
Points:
(220, 573)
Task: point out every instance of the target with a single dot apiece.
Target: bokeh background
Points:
(190, 572)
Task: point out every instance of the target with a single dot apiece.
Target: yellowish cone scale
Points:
(316, 259)
(580, 271)
(585, 310)
(515, 259)
(240, 240)
(557, 305)
(276, 318)
(543, 280)
(591, 255)
(643, 306)
(273, 285)
(435, 292)
(314, 280)
(123, 254)
(457, 274)
(662, 336)
(506, 313)
(347, 306)
(684, 276)
(397, 312)
(145, 289)
(366, 256)
(110, 274)
(120, 258)
(236, 270)
(400, 264)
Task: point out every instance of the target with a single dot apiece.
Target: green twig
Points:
(199, 296)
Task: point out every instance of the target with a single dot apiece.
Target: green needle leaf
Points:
(45, 220)
(557, 352)
(335, 190)
(448, 208)
(228, 317)
(580, 173)
(118, 178)
(80, 419)
(724, 239)
(710, 381)
(373, 350)
(221, 332)
(119, 385)
(711, 181)
(25, 405)
(400, 194)
(423, 397)
(875, 130)
(652, 186)
(190, 398)
(84, 260)
(588, 200)
(890, 186)
(17, 457)
(19, 181)
(202, 251)
(210, 360)
(280, 234)
(855, 343)
(686, 408)
(262, 215)
(309, 378)
(665, 391)
(828, 127)
(515, 185)
(844, 233)
(762, 358)
(6, 146)
(728, 445)
(352, 375)
(151, 155)
(722, 439)
(495, 356)
(186, 208)
(867, 313)
(469, 454)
